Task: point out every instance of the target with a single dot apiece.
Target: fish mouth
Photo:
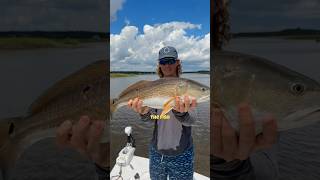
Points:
(204, 98)
(301, 118)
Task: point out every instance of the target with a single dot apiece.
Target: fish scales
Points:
(157, 93)
(269, 88)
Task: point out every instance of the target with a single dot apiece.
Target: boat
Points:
(131, 167)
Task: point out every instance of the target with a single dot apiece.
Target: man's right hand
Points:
(136, 105)
(229, 146)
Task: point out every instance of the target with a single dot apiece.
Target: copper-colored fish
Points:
(269, 88)
(82, 93)
(160, 94)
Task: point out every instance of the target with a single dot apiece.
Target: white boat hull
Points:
(140, 165)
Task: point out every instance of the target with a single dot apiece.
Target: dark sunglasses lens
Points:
(171, 61)
(167, 61)
(162, 62)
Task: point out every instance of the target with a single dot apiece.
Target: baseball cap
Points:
(168, 52)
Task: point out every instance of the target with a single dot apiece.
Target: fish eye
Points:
(297, 88)
(203, 89)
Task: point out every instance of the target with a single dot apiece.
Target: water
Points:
(142, 131)
(297, 152)
(24, 75)
(33, 71)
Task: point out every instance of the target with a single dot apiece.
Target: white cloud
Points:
(115, 6)
(127, 22)
(131, 50)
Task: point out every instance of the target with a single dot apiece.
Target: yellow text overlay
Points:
(158, 117)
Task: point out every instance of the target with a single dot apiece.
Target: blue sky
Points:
(141, 12)
(140, 28)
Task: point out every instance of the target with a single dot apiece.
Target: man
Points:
(171, 149)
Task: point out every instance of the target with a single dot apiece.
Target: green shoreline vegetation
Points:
(311, 38)
(120, 74)
(288, 34)
(36, 42)
(49, 39)
(315, 37)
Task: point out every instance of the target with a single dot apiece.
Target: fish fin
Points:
(168, 102)
(8, 149)
(81, 79)
(167, 107)
(134, 87)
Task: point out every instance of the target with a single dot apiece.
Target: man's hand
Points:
(185, 105)
(229, 146)
(136, 105)
(84, 136)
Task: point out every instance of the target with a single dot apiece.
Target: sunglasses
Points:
(167, 61)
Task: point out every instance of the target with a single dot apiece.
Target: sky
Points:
(139, 29)
(274, 15)
(54, 15)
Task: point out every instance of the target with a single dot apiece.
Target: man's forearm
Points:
(185, 118)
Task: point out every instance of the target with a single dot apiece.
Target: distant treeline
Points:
(285, 32)
(199, 72)
(131, 72)
(56, 34)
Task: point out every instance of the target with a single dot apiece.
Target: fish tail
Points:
(8, 148)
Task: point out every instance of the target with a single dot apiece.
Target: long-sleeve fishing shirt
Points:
(172, 134)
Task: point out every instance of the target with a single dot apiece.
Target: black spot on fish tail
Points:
(86, 89)
(85, 92)
(11, 129)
